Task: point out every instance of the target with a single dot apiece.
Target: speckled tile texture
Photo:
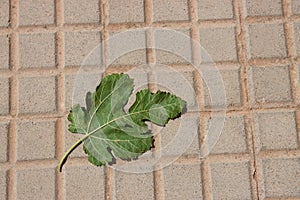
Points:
(246, 147)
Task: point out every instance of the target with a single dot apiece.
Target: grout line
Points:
(14, 63)
(206, 180)
(291, 51)
(158, 183)
(242, 54)
(60, 97)
(109, 172)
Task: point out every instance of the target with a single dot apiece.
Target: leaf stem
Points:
(71, 149)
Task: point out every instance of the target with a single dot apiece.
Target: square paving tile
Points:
(37, 98)
(143, 182)
(4, 100)
(80, 12)
(270, 84)
(166, 10)
(281, 178)
(219, 43)
(4, 13)
(37, 50)
(276, 130)
(35, 140)
(4, 126)
(266, 41)
(77, 176)
(124, 11)
(182, 182)
(217, 9)
(263, 8)
(4, 52)
(231, 181)
(36, 184)
(41, 12)
(3, 185)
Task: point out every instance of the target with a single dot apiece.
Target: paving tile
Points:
(36, 184)
(126, 11)
(35, 140)
(168, 51)
(233, 138)
(3, 184)
(167, 10)
(263, 8)
(4, 142)
(4, 13)
(179, 83)
(37, 50)
(220, 44)
(297, 37)
(295, 4)
(231, 181)
(281, 178)
(134, 186)
(266, 41)
(37, 98)
(4, 51)
(127, 48)
(77, 85)
(34, 12)
(77, 12)
(180, 136)
(270, 84)
(78, 45)
(217, 9)
(4, 100)
(231, 81)
(182, 182)
(276, 130)
(90, 186)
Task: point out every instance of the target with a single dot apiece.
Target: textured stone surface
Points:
(37, 50)
(35, 140)
(37, 98)
(77, 12)
(231, 181)
(3, 184)
(233, 138)
(180, 137)
(36, 184)
(4, 13)
(266, 41)
(270, 84)
(176, 10)
(168, 52)
(276, 130)
(182, 182)
(179, 83)
(77, 176)
(127, 185)
(4, 142)
(217, 9)
(281, 177)
(126, 11)
(295, 4)
(297, 37)
(36, 12)
(232, 91)
(78, 45)
(263, 8)
(4, 51)
(4, 100)
(220, 44)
